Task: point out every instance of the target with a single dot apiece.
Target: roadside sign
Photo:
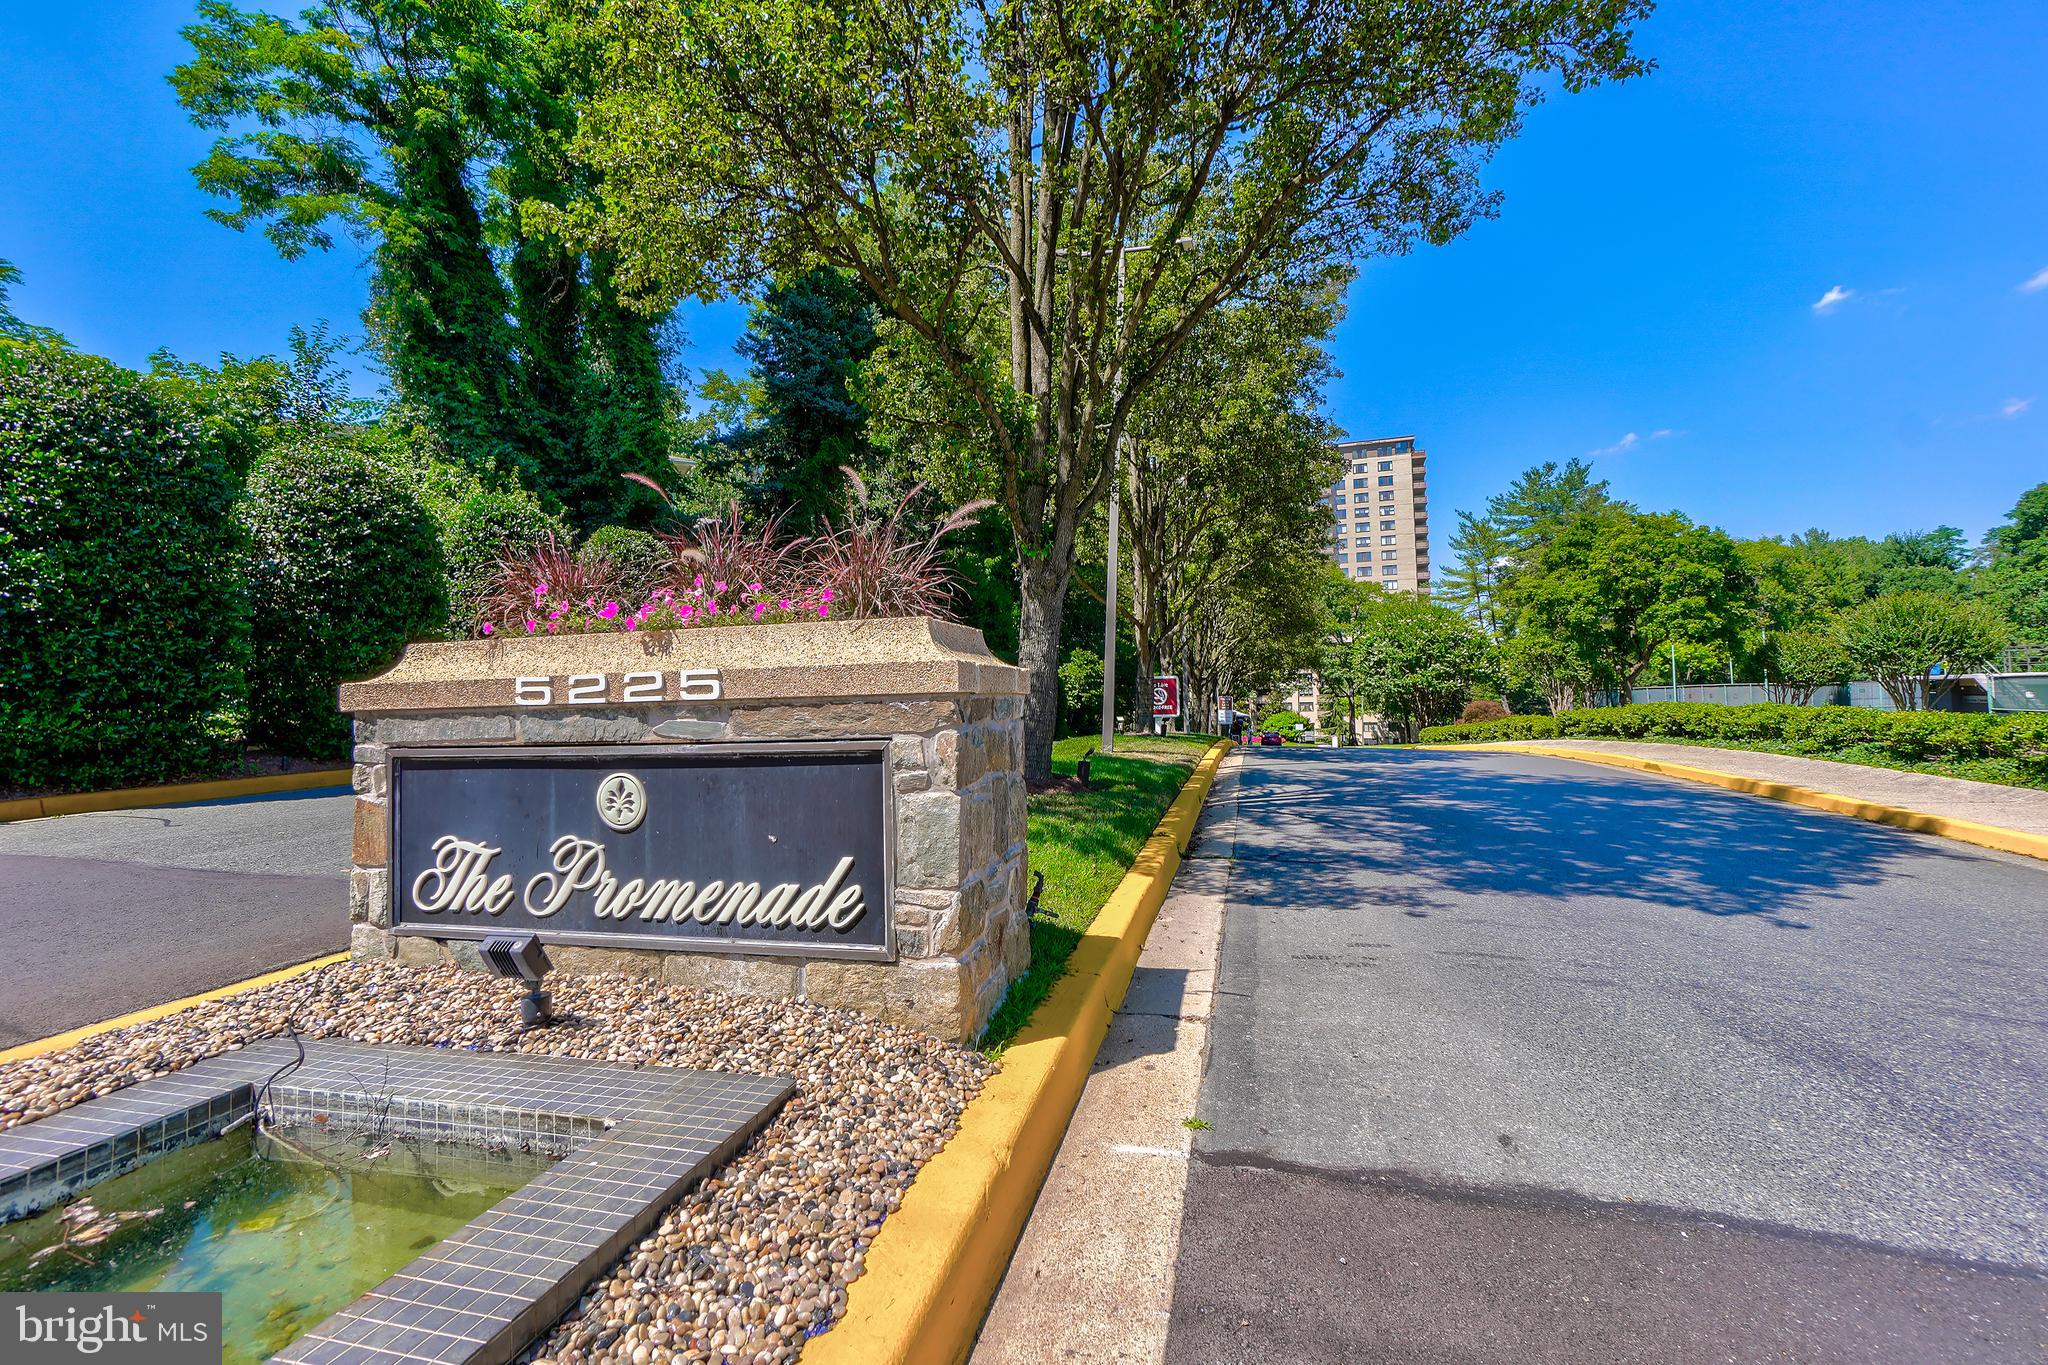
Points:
(1165, 698)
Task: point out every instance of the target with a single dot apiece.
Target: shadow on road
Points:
(1466, 824)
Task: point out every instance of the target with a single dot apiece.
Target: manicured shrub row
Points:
(161, 601)
(344, 568)
(123, 620)
(1910, 736)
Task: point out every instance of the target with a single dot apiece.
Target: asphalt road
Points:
(1521, 1059)
(119, 910)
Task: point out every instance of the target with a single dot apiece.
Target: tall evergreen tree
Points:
(427, 130)
(806, 341)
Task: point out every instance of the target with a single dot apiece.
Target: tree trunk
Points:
(1043, 588)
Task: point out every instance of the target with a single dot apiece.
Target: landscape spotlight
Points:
(521, 956)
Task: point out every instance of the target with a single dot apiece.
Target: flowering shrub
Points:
(721, 573)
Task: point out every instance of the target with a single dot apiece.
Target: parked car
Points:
(1271, 737)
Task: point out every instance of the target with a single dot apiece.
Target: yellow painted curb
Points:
(58, 1041)
(170, 794)
(934, 1267)
(1900, 817)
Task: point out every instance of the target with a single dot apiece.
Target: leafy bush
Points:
(1907, 736)
(344, 569)
(635, 562)
(1481, 709)
(1081, 688)
(1492, 731)
(474, 518)
(123, 623)
(1284, 721)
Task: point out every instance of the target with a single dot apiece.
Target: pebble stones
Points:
(752, 1262)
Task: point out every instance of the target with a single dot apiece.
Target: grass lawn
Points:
(1084, 842)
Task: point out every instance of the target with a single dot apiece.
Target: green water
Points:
(287, 1229)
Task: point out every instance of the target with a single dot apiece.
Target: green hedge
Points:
(344, 569)
(1912, 736)
(123, 623)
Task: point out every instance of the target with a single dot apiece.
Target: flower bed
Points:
(753, 1261)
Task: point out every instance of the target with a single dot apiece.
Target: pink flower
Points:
(608, 610)
(718, 587)
(785, 604)
(540, 590)
(823, 610)
(760, 610)
(531, 625)
(825, 596)
(633, 623)
(712, 609)
(487, 627)
(753, 587)
(686, 611)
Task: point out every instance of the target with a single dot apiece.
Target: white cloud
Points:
(1663, 434)
(1626, 443)
(1836, 296)
(2014, 407)
(2036, 282)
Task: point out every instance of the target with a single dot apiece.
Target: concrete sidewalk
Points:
(2018, 808)
(1092, 1278)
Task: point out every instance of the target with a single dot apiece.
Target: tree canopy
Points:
(984, 174)
(427, 130)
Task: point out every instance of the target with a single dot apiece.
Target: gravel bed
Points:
(753, 1261)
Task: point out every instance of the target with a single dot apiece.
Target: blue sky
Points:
(1653, 290)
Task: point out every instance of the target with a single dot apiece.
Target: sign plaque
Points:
(741, 848)
(1165, 697)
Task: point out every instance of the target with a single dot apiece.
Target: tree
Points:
(12, 328)
(1541, 499)
(806, 339)
(1923, 561)
(425, 129)
(1535, 662)
(1418, 662)
(1480, 550)
(2015, 580)
(983, 172)
(1230, 459)
(1801, 662)
(1615, 586)
(1901, 639)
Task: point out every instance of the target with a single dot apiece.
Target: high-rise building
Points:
(1381, 510)
(1380, 507)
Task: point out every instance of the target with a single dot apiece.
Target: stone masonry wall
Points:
(956, 766)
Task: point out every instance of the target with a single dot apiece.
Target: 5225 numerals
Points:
(595, 689)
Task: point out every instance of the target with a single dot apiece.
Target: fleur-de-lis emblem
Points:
(621, 801)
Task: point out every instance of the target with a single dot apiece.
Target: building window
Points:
(1358, 483)
(1386, 480)
(1407, 447)
(1340, 499)
(1387, 495)
(1385, 465)
(1343, 558)
(1386, 526)
(1390, 554)
(1388, 540)
(1388, 569)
